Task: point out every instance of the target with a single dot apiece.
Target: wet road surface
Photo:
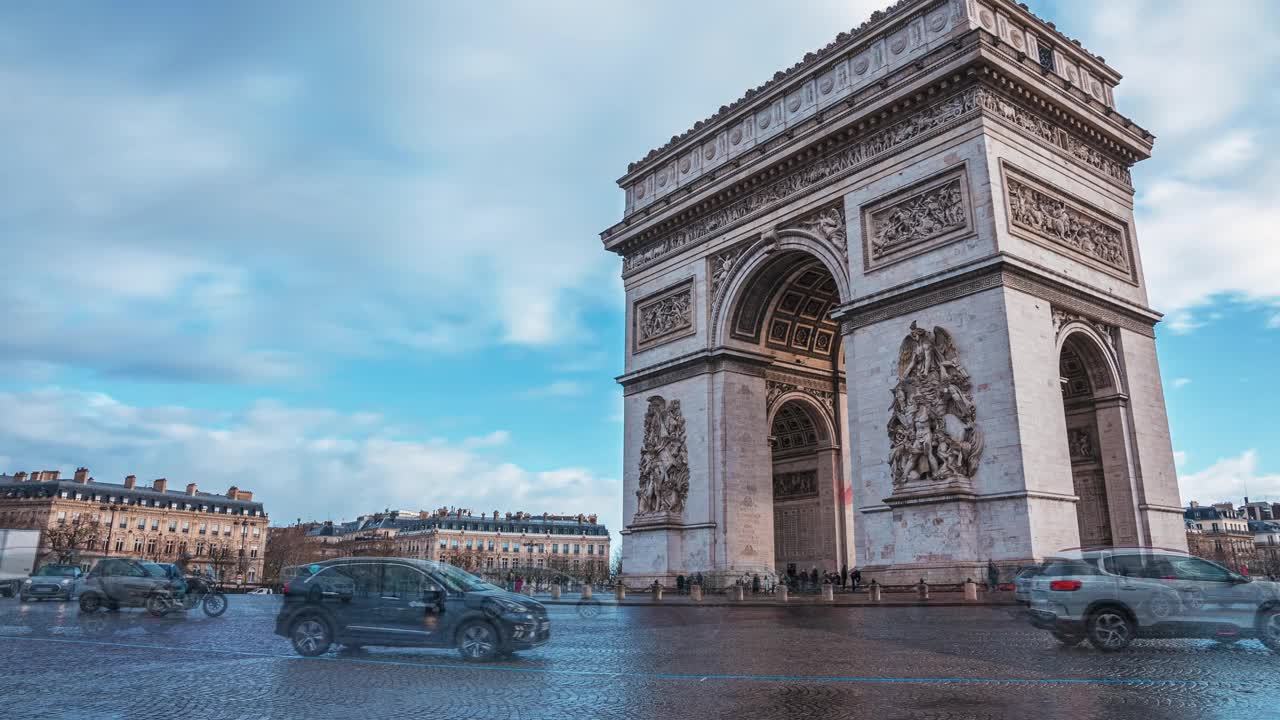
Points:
(629, 662)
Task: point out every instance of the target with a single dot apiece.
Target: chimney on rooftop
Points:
(160, 484)
(129, 481)
(21, 476)
(495, 514)
(82, 475)
(1195, 504)
(191, 489)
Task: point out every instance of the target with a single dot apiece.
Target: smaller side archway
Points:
(1098, 438)
(806, 483)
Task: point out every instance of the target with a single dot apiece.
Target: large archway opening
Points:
(783, 311)
(1087, 391)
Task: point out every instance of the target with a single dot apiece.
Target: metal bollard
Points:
(555, 591)
(875, 591)
(657, 592)
(620, 592)
(586, 592)
(922, 589)
(970, 590)
(828, 592)
(784, 593)
(695, 593)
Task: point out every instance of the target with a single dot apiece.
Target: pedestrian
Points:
(844, 576)
(993, 574)
(519, 583)
(856, 576)
(698, 580)
(813, 576)
(755, 584)
(680, 584)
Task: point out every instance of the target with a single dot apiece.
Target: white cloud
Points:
(1181, 382)
(304, 463)
(1201, 80)
(1230, 479)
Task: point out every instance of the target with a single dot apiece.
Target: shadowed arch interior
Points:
(1086, 376)
(789, 302)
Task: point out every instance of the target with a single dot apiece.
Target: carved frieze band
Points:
(870, 147)
(1033, 124)
(996, 277)
(916, 220)
(1066, 224)
(664, 317)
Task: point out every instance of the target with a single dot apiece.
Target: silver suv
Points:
(1113, 596)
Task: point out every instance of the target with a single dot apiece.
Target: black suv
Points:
(404, 602)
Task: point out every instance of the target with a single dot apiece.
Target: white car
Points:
(261, 591)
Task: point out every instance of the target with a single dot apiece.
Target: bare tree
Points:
(287, 547)
(66, 539)
(615, 564)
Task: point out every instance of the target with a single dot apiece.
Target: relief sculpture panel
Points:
(666, 317)
(1067, 225)
(916, 220)
(664, 460)
(932, 427)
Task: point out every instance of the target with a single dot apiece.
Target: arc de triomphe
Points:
(887, 310)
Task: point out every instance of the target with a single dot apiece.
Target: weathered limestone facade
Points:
(888, 311)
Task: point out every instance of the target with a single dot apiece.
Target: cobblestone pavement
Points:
(625, 662)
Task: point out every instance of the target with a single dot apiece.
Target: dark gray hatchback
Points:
(404, 602)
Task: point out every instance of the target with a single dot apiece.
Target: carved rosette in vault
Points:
(932, 427)
(664, 462)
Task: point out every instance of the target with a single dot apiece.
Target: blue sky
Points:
(349, 258)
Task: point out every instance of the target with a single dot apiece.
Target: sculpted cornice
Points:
(875, 137)
(1003, 18)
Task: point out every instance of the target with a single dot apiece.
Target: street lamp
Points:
(111, 525)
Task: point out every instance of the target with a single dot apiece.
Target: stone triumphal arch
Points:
(887, 310)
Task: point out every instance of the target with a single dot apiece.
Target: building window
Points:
(257, 530)
(488, 563)
(591, 549)
(173, 526)
(490, 546)
(444, 543)
(253, 576)
(576, 552)
(168, 547)
(506, 547)
(555, 548)
(504, 563)
(137, 545)
(142, 523)
(120, 545)
(200, 548)
(455, 544)
(151, 546)
(155, 523)
(62, 516)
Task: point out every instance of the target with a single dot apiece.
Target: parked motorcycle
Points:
(203, 592)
